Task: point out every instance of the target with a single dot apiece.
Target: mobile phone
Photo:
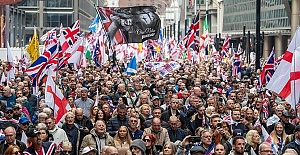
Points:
(194, 139)
(219, 125)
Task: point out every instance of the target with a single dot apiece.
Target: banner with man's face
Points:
(130, 24)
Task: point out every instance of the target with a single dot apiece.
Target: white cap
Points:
(88, 149)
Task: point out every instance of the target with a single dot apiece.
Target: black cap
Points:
(286, 113)
(197, 149)
(104, 97)
(8, 109)
(238, 132)
(297, 128)
(32, 132)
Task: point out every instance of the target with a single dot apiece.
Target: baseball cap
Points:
(104, 97)
(23, 120)
(286, 113)
(8, 109)
(88, 149)
(238, 132)
(197, 149)
(32, 132)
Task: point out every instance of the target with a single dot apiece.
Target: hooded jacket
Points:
(90, 140)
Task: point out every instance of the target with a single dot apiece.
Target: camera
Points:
(194, 139)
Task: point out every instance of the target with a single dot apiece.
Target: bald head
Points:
(7, 91)
(79, 114)
(111, 150)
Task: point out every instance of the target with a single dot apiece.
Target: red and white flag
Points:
(286, 79)
(10, 65)
(56, 100)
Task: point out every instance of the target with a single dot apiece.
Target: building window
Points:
(29, 3)
(31, 19)
(59, 3)
(55, 19)
(129, 4)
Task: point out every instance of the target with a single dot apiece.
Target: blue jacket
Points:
(137, 135)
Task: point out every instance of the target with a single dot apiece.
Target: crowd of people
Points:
(195, 110)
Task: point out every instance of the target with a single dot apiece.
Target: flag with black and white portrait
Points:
(130, 24)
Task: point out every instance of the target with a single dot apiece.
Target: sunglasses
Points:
(133, 120)
(9, 112)
(147, 140)
(17, 152)
(25, 124)
(67, 152)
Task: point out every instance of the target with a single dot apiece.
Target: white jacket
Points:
(59, 135)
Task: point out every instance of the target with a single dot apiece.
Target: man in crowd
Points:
(84, 102)
(38, 146)
(162, 136)
(10, 139)
(59, 135)
(121, 119)
(134, 132)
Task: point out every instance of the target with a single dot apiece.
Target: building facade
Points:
(276, 21)
(45, 15)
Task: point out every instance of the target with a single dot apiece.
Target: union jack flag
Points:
(225, 47)
(23, 62)
(192, 38)
(268, 69)
(237, 64)
(265, 107)
(67, 39)
(51, 46)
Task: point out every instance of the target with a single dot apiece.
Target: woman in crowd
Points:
(222, 110)
(169, 149)
(122, 100)
(45, 135)
(150, 141)
(145, 111)
(253, 139)
(12, 150)
(93, 113)
(279, 136)
(122, 138)
(219, 149)
(101, 116)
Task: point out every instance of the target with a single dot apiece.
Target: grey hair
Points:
(42, 114)
(262, 145)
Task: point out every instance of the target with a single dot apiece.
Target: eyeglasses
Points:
(67, 152)
(17, 152)
(133, 120)
(146, 140)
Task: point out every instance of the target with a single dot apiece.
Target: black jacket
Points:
(4, 146)
(292, 145)
(165, 116)
(114, 124)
